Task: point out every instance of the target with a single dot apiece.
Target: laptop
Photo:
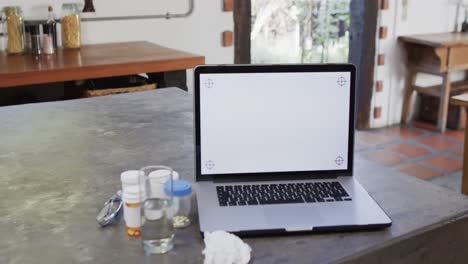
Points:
(274, 150)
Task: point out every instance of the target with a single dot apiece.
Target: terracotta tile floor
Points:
(402, 132)
(458, 135)
(438, 142)
(384, 157)
(444, 163)
(409, 150)
(459, 152)
(419, 171)
(417, 151)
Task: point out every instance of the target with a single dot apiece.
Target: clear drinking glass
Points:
(157, 230)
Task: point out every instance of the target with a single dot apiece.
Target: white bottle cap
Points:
(130, 177)
(163, 174)
(157, 180)
(130, 180)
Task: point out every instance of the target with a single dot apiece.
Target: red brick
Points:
(379, 86)
(228, 38)
(383, 32)
(377, 112)
(381, 60)
(228, 5)
(385, 4)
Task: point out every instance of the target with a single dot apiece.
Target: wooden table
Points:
(462, 100)
(97, 61)
(60, 161)
(437, 54)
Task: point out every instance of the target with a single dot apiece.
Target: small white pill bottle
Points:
(132, 196)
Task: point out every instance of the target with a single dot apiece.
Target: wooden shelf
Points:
(93, 61)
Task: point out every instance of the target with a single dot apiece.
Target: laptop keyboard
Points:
(316, 192)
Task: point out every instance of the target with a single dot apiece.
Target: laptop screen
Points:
(274, 122)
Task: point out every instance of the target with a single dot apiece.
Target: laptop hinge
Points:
(270, 179)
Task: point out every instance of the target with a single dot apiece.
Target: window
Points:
(300, 31)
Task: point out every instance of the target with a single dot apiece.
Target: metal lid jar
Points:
(71, 26)
(14, 29)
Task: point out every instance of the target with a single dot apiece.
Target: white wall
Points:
(199, 33)
(423, 16)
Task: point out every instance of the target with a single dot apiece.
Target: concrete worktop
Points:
(60, 161)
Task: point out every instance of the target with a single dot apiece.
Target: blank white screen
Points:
(274, 122)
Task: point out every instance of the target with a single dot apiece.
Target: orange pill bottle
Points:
(132, 197)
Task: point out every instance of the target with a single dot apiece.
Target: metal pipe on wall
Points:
(157, 16)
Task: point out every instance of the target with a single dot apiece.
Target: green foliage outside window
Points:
(307, 31)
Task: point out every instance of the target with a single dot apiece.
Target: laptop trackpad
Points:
(292, 217)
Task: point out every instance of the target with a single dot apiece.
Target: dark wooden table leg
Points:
(464, 188)
(407, 99)
(170, 79)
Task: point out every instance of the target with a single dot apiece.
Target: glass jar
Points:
(27, 35)
(158, 231)
(49, 29)
(14, 29)
(71, 26)
(36, 45)
(48, 39)
(182, 193)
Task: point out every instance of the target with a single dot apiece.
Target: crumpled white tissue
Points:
(225, 248)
